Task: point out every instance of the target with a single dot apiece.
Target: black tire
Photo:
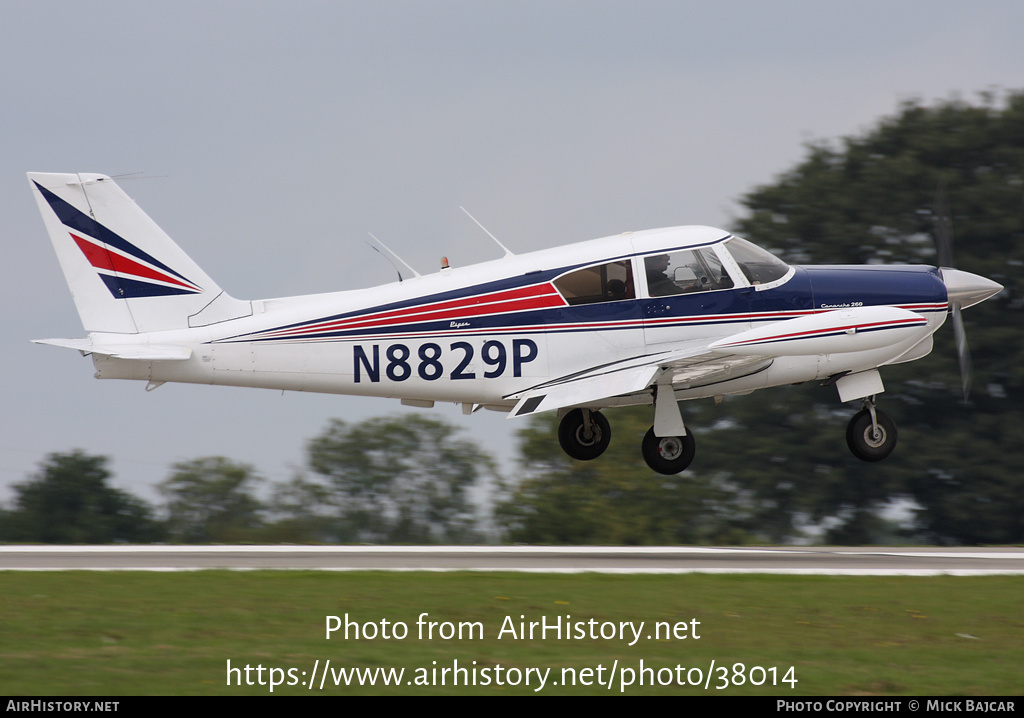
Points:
(575, 444)
(862, 441)
(668, 454)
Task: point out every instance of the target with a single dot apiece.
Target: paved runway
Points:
(546, 559)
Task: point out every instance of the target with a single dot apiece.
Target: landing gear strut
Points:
(871, 434)
(584, 434)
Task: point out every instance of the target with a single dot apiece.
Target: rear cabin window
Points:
(600, 283)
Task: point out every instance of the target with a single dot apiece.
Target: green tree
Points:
(303, 512)
(70, 501)
(210, 500)
(870, 199)
(403, 479)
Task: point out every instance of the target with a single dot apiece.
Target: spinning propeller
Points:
(963, 289)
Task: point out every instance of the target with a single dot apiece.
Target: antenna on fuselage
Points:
(391, 252)
(508, 252)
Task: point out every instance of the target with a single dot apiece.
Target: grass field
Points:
(139, 633)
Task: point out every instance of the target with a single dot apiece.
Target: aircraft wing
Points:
(699, 362)
(683, 367)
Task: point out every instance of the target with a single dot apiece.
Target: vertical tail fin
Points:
(125, 274)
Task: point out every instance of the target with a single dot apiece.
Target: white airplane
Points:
(652, 317)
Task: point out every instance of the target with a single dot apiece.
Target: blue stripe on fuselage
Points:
(523, 280)
(423, 303)
(810, 289)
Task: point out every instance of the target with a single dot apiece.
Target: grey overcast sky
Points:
(274, 135)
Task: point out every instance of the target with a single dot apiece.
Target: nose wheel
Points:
(871, 434)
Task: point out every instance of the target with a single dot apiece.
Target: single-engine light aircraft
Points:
(652, 317)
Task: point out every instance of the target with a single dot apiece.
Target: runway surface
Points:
(877, 561)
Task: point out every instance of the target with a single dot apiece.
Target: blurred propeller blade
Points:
(963, 353)
(943, 227)
(958, 284)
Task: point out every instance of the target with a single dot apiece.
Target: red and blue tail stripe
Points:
(127, 271)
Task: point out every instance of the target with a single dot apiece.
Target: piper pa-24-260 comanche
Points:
(652, 317)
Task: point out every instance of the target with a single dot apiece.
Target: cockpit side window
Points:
(685, 271)
(601, 283)
(759, 266)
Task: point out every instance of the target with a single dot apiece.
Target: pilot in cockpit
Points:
(658, 282)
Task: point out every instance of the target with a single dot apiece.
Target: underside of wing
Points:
(683, 368)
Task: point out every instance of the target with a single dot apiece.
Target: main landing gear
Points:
(871, 434)
(668, 454)
(584, 435)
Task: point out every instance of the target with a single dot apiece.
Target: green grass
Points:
(141, 633)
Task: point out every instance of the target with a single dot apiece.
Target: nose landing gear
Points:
(871, 434)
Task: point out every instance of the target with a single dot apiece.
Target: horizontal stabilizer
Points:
(140, 352)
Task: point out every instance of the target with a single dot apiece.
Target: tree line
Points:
(361, 486)
(771, 467)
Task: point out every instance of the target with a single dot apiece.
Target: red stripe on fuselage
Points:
(538, 296)
(812, 333)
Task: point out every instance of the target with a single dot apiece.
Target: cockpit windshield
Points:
(758, 265)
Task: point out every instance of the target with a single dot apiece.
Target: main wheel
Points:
(867, 443)
(572, 435)
(668, 454)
